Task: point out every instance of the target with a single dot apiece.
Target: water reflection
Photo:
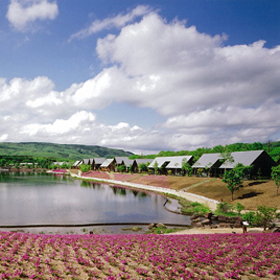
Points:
(85, 184)
(46, 199)
(135, 193)
(118, 191)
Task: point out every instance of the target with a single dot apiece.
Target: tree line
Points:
(17, 161)
(272, 148)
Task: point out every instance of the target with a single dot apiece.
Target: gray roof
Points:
(128, 162)
(59, 163)
(107, 162)
(119, 160)
(176, 162)
(86, 161)
(160, 161)
(143, 160)
(246, 158)
(207, 160)
(99, 160)
(125, 160)
(171, 162)
(77, 163)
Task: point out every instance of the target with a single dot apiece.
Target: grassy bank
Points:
(252, 194)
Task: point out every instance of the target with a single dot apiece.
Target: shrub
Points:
(121, 168)
(239, 207)
(85, 168)
(265, 215)
(262, 217)
(224, 208)
(201, 208)
(251, 218)
(199, 172)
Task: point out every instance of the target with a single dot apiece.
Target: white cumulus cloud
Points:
(59, 126)
(206, 92)
(3, 137)
(21, 13)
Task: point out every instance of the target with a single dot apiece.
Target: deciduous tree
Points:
(85, 167)
(186, 168)
(275, 175)
(266, 214)
(234, 177)
(155, 166)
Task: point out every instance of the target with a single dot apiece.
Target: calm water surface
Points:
(48, 199)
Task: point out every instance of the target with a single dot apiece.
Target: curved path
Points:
(211, 203)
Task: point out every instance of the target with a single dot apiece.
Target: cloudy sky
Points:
(143, 76)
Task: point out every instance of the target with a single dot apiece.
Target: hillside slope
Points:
(59, 151)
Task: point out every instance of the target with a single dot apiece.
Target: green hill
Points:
(59, 151)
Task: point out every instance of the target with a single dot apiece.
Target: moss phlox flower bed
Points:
(216, 256)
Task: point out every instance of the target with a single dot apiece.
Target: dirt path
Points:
(198, 184)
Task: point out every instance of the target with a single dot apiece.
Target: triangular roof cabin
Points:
(97, 162)
(209, 161)
(176, 162)
(123, 161)
(76, 164)
(108, 164)
(170, 162)
(260, 161)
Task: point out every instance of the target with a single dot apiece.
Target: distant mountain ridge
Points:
(59, 151)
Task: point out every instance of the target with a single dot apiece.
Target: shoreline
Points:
(99, 229)
(211, 203)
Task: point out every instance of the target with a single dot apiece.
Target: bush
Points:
(199, 172)
(85, 167)
(262, 217)
(239, 207)
(251, 218)
(193, 207)
(265, 215)
(121, 168)
(200, 208)
(225, 208)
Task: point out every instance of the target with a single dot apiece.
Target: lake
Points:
(30, 198)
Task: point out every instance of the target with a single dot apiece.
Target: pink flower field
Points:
(216, 256)
(153, 180)
(124, 177)
(96, 174)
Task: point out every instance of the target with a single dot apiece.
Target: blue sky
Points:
(143, 76)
